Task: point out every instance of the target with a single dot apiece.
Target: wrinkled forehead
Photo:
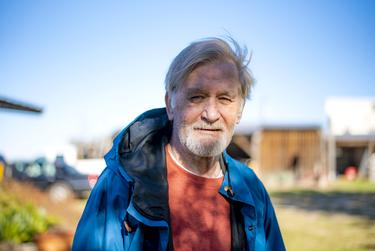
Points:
(223, 69)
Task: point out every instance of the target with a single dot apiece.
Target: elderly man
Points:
(169, 184)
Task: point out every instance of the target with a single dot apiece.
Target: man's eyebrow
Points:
(229, 93)
(194, 90)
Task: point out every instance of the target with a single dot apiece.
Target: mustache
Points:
(204, 126)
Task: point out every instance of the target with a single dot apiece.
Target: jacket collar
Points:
(131, 137)
(234, 180)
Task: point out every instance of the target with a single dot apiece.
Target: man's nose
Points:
(211, 112)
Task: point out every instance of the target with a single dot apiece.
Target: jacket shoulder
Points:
(103, 216)
(248, 175)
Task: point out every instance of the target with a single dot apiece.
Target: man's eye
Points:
(225, 99)
(196, 99)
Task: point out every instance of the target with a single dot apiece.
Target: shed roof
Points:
(6, 103)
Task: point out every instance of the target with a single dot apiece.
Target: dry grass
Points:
(338, 218)
(319, 231)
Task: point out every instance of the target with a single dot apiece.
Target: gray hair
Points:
(206, 51)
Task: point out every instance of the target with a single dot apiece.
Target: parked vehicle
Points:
(59, 179)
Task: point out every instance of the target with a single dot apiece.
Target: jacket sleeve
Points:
(101, 225)
(274, 239)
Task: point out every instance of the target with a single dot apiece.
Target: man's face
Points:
(206, 108)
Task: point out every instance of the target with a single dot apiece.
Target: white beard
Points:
(204, 145)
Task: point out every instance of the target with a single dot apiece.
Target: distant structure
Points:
(283, 154)
(10, 104)
(351, 135)
(94, 149)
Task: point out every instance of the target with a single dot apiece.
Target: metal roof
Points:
(6, 103)
(287, 127)
(355, 138)
(243, 130)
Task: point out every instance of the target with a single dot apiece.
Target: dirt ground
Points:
(67, 213)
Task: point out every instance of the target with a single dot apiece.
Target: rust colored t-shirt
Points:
(199, 214)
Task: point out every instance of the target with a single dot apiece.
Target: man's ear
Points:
(239, 114)
(168, 105)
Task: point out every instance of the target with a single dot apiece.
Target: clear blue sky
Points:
(95, 65)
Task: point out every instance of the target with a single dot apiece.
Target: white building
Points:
(351, 134)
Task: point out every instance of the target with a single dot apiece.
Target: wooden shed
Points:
(288, 148)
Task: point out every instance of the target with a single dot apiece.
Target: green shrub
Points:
(21, 222)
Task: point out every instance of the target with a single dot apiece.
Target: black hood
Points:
(141, 152)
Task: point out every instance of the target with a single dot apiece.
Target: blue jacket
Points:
(134, 188)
